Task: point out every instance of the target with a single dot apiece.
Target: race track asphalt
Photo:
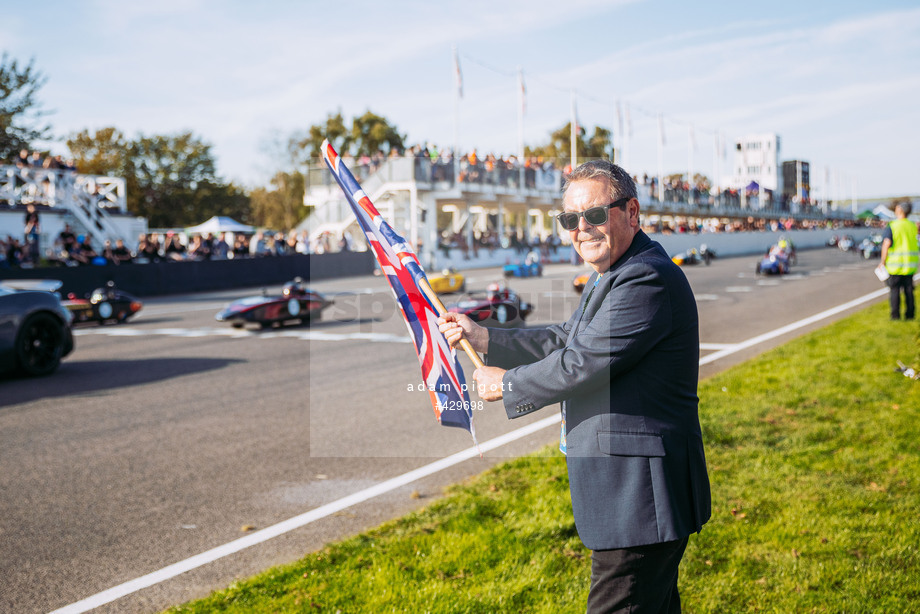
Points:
(173, 434)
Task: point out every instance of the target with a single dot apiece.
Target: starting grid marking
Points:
(234, 333)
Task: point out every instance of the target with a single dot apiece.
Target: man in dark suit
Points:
(625, 367)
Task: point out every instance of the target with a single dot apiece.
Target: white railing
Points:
(89, 198)
(52, 187)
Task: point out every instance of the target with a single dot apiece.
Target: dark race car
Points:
(108, 304)
(296, 303)
(34, 330)
(499, 307)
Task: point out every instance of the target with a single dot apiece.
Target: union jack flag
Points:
(441, 370)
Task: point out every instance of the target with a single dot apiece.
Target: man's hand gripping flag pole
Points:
(441, 310)
(416, 300)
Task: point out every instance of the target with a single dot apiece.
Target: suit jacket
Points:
(625, 367)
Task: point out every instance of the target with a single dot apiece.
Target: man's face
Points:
(600, 246)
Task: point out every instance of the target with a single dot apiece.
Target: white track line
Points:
(791, 327)
(209, 556)
(296, 522)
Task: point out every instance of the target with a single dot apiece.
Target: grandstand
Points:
(422, 197)
(89, 203)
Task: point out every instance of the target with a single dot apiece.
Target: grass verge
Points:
(813, 457)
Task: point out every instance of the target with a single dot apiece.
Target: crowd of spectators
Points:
(431, 164)
(34, 160)
(750, 224)
(173, 246)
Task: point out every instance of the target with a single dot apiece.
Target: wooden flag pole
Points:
(464, 343)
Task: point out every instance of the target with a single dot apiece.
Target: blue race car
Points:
(776, 261)
(531, 267)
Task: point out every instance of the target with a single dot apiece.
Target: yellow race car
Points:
(448, 281)
(579, 282)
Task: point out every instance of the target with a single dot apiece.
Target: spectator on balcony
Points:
(220, 249)
(258, 246)
(32, 232)
(52, 163)
(291, 242)
(67, 240)
(13, 251)
(199, 249)
(174, 249)
(85, 252)
(36, 160)
(240, 246)
(280, 245)
(149, 247)
(119, 254)
(303, 242)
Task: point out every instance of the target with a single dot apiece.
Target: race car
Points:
(847, 243)
(296, 303)
(498, 307)
(776, 261)
(108, 304)
(531, 267)
(35, 330)
(580, 281)
(449, 280)
(694, 256)
(871, 246)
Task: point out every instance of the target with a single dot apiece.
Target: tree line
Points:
(172, 179)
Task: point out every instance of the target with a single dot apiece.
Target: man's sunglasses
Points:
(595, 216)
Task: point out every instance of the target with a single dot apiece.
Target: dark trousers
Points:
(896, 285)
(639, 580)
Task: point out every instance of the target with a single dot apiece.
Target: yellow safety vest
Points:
(903, 255)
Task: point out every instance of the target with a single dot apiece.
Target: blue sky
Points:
(838, 81)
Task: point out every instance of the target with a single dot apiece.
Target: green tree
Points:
(170, 180)
(368, 134)
(304, 148)
(559, 147)
(162, 175)
(281, 207)
(372, 133)
(104, 152)
(20, 113)
(210, 199)
(599, 145)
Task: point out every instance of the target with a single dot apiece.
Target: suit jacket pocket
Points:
(630, 444)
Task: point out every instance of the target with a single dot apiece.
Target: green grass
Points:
(814, 457)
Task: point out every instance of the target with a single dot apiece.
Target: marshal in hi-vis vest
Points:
(903, 254)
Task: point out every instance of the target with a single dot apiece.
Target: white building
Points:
(757, 161)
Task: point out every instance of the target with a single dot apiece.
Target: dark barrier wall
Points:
(162, 278)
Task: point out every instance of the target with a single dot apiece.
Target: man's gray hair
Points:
(621, 184)
(905, 206)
